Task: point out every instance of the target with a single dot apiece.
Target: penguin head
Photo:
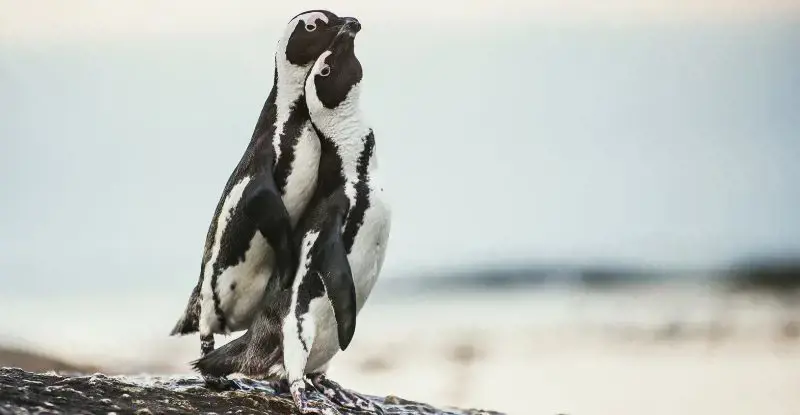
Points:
(337, 71)
(309, 33)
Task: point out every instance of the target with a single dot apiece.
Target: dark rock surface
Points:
(24, 392)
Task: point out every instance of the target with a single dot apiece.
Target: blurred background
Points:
(596, 204)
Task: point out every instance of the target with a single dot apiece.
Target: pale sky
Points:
(54, 20)
(621, 140)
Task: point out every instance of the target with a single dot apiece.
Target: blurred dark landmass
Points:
(778, 275)
(503, 277)
(23, 392)
(769, 274)
(38, 362)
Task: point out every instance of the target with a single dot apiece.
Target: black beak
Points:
(351, 24)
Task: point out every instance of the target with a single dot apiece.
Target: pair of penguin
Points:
(299, 234)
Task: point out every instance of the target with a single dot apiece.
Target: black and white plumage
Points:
(342, 239)
(250, 235)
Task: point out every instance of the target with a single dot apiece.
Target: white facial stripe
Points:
(320, 63)
(310, 87)
(290, 78)
(308, 18)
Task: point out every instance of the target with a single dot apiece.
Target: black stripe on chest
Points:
(288, 143)
(356, 217)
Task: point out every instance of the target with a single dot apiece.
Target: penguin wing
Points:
(264, 206)
(334, 271)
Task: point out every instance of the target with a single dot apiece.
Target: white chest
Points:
(302, 180)
(369, 247)
(366, 260)
(237, 289)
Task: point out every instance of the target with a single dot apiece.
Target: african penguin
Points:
(342, 237)
(250, 234)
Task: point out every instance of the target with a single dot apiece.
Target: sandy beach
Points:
(652, 351)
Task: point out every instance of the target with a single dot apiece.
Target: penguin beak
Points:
(350, 25)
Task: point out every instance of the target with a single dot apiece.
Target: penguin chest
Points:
(230, 293)
(366, 260)
(236, 292)
(302, 179)
(326, 336)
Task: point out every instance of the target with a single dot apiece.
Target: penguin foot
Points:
(220, 384)
(280, 386)
(341, 396)
(206, 344)
(306, 404)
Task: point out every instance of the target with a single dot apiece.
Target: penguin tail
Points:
(190, 320)
(186, 325)
(224, 360)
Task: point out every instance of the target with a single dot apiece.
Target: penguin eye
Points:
(325, 71)
(311, 27)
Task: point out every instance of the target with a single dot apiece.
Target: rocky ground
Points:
(24, 392)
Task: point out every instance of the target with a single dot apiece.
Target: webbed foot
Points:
(220, 383)
(214, 382)
(341, 396)
(307, 404)
(279, 386)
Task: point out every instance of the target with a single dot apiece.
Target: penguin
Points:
(250, 236)
(342, 239)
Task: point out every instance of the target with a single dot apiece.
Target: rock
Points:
(24, 392)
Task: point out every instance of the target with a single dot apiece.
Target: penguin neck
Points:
(288, 91)
(285, 93)
(344, 124)
(289, 79)
(344, 130)
(344, 162)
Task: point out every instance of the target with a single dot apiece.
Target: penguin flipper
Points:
(264, 206)
(334, 271)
